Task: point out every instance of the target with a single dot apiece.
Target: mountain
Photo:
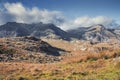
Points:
(47, 30)
(13, 29)
(96, 33)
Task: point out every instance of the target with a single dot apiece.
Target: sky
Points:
(66, 14)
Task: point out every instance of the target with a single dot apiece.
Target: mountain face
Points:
(97, 33)
(13, 29)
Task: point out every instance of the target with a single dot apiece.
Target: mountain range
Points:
(13, 29)
(95, 33)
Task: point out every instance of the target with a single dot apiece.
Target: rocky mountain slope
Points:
(97, 33)
(13, 29)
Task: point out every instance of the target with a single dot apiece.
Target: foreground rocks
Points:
(28, 49)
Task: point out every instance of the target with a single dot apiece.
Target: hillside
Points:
(82, 61)
(28, 49)
(45, 52)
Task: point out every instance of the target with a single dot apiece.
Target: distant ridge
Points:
(13, 29)
(95, 33)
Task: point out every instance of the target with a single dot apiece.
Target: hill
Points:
(28, 49)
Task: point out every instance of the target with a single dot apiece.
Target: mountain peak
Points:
(99, 27)
(11, 22)
(14, 29)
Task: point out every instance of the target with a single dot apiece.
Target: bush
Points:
(106, 57)
(22, 78)
(92, 58)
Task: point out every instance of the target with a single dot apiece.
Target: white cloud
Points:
(17, 12)
(22, 14)
(15, 8)
(102, 20)
(88, 21)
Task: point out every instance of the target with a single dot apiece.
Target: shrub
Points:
(22, 78)
(105, 56)
(92, 58)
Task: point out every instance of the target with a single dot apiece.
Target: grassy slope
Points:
(90, 70)
(71, 68)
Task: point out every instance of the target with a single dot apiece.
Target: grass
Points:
(80, 65)
(90, 70)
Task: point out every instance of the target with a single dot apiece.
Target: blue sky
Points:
(72, 9)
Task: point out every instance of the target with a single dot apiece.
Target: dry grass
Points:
(79, 65)
(61, 70)
(104, 50)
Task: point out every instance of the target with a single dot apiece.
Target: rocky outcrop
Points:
(28, 49)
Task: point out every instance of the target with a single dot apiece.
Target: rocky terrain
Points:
(45, 52)
(95, 33)
(30, 58)
(13, 29)
(28, 49)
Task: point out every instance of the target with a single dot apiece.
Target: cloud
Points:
(19, 13)
(87, 22)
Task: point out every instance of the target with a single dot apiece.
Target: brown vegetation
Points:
(82, 61)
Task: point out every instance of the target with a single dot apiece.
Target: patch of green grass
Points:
(109, 73)
(1, 77)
